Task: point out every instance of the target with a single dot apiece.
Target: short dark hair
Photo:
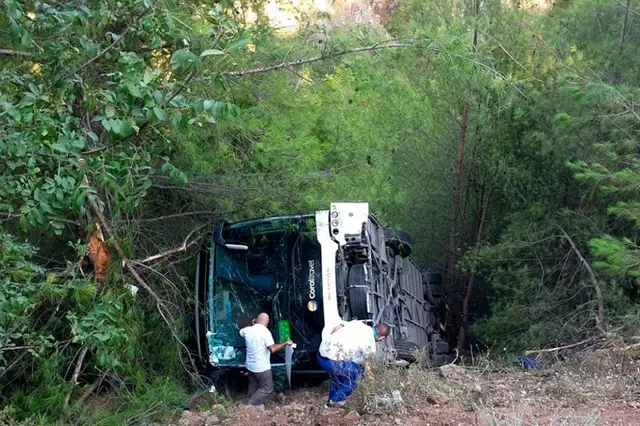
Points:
(383, 329)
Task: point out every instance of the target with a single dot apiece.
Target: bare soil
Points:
(597, 388)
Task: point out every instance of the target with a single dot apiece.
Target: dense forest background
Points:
(502, 135)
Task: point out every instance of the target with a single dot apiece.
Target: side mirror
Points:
(240, 247)
(217, 238)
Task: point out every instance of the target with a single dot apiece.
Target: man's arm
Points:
(276, 347)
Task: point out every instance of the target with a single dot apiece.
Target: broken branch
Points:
(14, 52)
(181, 248)
(112, 45)
(561, 348)
(282, 65)
(192, 74)
(76, 372)
(177, 215)
(108, 48)
(91, 389)
(594, 280)
(128, 265)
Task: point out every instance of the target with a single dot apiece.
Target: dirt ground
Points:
(598, 388)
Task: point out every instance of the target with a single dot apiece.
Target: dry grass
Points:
(596, 387)
(415, 384)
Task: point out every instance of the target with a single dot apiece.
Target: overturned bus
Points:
(308, 272)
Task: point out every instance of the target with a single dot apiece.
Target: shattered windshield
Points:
(247, 282)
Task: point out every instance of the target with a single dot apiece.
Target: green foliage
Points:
(7, 418)
(38, 343)
(145, 404)
(106, 101)
(129, 104)
(25, 293)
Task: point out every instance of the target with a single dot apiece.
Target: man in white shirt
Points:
(260, 346)
(344, 352)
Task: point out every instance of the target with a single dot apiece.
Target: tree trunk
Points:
(453, 236)
(623, 31)
(462, 335)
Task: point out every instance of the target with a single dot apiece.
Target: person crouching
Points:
(344, 353)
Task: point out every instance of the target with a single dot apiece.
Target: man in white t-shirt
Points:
(344, 353)
(260, 346)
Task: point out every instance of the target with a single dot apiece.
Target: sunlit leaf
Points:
(211, 52)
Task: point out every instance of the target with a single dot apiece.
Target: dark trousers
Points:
(260, 387)
(344, 377)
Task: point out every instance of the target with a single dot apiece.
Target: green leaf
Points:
(134, 90)
(13, 112)
(110, 111)
(211, 52)
(60, 147)
(183, 59)
(93, 136)
(107, 124)
(116, 126)
(238, 44)
(39, 217)
(79, 201)
(159, 113)
(24, 223)
(148, 76)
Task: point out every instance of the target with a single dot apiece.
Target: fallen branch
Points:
(128, 265)
(54, 219)
(16, 348)
(91, 389)
(14, 52)
(181, 248)
(13, 364)
(299, 62)
(176, 215)
(594, 280)
(562, 348)
(626, 348)
(76, 372)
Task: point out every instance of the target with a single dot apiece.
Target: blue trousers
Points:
(344, 377)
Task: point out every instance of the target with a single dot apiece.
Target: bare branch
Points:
(13, 364)
(181, 248)
(561, 348)
(91, 389)
(282, 65)
(192, 74)
(594, 280)
(16, 348)
(14, 52)
(627, 6)
(56, 219)
(129, 266)
(177, 215)
(112, 45)
(102, 53)
(76, 372)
